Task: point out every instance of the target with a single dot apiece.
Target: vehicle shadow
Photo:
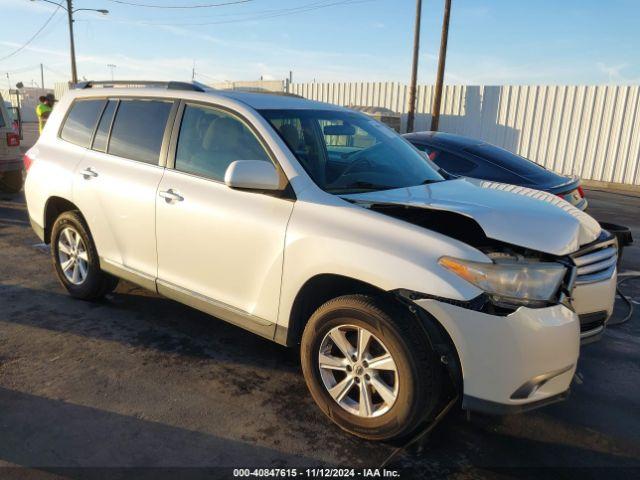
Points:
(83, 437)
(135, 317)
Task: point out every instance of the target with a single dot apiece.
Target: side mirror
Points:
(252, 175)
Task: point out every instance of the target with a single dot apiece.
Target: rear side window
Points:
(102, 133)
(81, 121)
(138, 129)
(505, 159)
(448, 161)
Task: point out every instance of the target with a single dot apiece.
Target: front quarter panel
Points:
(336, 237)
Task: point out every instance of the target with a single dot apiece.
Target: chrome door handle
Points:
(171, 195)
(88, 173)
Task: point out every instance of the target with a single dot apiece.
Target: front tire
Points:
(370, 368)
(76, 260)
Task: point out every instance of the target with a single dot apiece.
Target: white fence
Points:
(591, 131)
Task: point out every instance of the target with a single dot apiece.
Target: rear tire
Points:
(12, 181)
(76, 260)
(395, 376)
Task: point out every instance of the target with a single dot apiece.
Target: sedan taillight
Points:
(28, 161)
(581, 191)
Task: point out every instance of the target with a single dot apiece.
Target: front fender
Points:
(351, 241)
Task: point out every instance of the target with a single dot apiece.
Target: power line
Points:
(206, 5)
(33, 37)
(21, 70)
(254, 12)
(284, 12)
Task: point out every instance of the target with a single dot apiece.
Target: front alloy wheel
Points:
(370, 367)
(358, 371)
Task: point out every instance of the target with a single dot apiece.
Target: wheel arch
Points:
(54, 207)
(316, 291)
(323, 287)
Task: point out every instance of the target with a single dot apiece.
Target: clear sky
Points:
(490, 42)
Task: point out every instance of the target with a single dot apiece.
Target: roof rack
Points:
(171, 85)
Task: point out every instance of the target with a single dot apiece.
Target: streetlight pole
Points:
(70, 12)
(442, 58)
(414, 69)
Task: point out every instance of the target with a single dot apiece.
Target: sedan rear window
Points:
(505, 159)
(81, 121)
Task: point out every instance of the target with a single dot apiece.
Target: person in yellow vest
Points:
(43, 110)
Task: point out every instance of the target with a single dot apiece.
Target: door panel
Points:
(224, 244)
(117, 198)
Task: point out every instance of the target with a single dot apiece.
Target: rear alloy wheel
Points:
(370, 368)
(76, 260)
(73, 256)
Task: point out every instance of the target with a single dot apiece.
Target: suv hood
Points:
(507, 213)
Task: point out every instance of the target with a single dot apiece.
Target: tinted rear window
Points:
(138, 129)
(100, 139)
(81, 121)
(506, 159)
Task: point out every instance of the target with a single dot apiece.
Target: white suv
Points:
(311, 224)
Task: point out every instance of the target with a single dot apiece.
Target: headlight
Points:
(510, 281)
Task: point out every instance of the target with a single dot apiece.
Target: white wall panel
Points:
(592, 131)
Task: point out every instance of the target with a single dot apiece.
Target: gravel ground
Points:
(140, 381)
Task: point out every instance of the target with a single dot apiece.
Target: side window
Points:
(102, 132)
(450, 162)
(81, 121)
(210, 140)
(138, 129)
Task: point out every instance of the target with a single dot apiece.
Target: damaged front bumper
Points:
(515, 362)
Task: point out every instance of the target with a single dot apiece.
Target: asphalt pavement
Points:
(138, 381)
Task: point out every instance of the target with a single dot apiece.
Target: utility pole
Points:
(41, 77)
(442, 58)
(414, 69)
(74, 70)
(70, 12)
(193, 72)
(111, 66)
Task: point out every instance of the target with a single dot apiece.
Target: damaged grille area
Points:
(592, 322)
(596, 262)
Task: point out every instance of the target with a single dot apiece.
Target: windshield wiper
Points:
(366, 186)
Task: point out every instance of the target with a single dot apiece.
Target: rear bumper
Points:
(511, 363)
(11, 164)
